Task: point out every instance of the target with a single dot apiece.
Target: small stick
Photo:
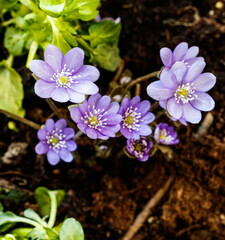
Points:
(143, 215)
(21, 119)
(58, 113)
(205, 125)
(138, 89)
(141, 79)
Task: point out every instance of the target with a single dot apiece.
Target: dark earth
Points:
(106, 194)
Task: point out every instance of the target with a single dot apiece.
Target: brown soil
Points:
(106, 195)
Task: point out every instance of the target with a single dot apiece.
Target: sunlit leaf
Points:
(11, 90)
(71, 230)
(52, 7)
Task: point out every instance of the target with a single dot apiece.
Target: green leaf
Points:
(71, 230)
(107, 32)
(106, 57)
(53, 8)
(15, 41)
(44, 201)
(1, 208)
(51, 234)
(80, 9)
(58, 227)
(37, 234)
(11, 90)
(7, 3)
(30, 213)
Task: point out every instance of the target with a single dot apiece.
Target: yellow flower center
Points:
(93, 121)
(162, 137)
(138, 147)
(63, 80)
(129, 120)
(182, 92)
(54, 140)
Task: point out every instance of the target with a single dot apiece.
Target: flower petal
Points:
(135, 100)
(158, 92)
(168, 79)
(162, 104)
(113, 108)
(92, 100)
(87, 73)
(65, 155)
(112, 119)
(91, 133)
(53, 157)
(103, 103)
(69, 132)
(85, 87)
(203, 102)
(174, 108)
(110, 130)
(144, 158)
(82, 127)
(75, 97)
(180, 51)
(73, 59)
(124, 105)
(145, 130)
(71, 145)
(41, 148)
(179, 69)
(166, 56)
(61, 123)
(41, 69)
(191, 114)
(41, 134)
(49, 125)
(194, 71)
(83, 107)
(204, 82)
(75, 114)
(148, 118)
(44, 89)
(142, 107)
(53, 56)
(191, 53)
(125, 132)
(60, 95)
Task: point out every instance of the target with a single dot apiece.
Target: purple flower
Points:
(181, 53)
(164, 134)
(135, 118)
(56, 141)
(97, 117)
(99, 19)
(139, 148)
(182, 91)
(64, 78)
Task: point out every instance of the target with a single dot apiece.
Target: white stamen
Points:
(131, 119)
(185, 93)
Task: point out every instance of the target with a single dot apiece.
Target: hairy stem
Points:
(141, 79)
(53, 211)
(21, 119)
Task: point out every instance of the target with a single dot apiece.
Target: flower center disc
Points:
(129, 120)
(182, 92)
(63, 80)
(93, 121)
(54, 141)
(138, 147)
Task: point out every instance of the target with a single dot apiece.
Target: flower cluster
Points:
(181, 91)
(56, 141)
(182, 87)
(64, 78)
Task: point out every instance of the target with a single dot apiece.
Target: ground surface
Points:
(105, 195)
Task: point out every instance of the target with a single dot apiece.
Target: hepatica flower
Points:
(56, 141)
(97, 117)
(139, 148)
(64, 78)
(182, 91)
(165, 134)
(136, 117)
(181, 53)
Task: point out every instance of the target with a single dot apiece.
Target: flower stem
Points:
(53, 211)
(21, 119)
(141, 79)
(84, 44)
(9, 60)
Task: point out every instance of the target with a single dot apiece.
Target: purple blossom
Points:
(164, 134)
(56, 141)
(97, 117)
(99, 19)
(139, 148)
(182, 91)
(136, 117)
(64, 78)
(181, 53)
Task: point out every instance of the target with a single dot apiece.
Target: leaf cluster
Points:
(36, 227)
